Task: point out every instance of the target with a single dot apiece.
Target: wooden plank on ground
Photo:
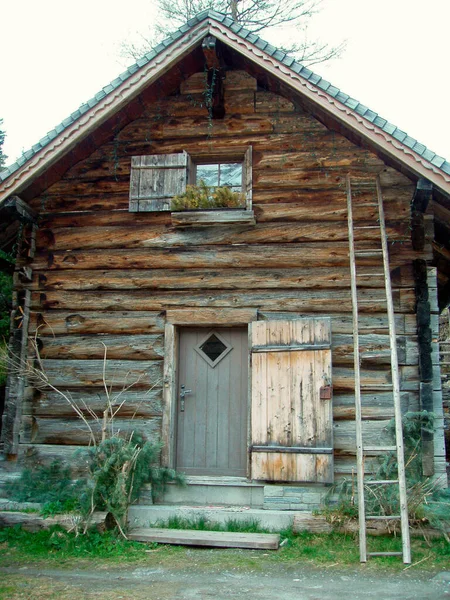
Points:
(216, 539)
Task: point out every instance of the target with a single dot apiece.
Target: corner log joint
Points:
(18, 210)
(419, 203)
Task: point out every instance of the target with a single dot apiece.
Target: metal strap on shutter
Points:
(156, 179)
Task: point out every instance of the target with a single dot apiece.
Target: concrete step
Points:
(215, 539)
(228, 491)
(153, 515)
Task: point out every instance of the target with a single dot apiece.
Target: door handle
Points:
(183, 394)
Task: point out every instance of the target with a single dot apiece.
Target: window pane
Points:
(231, 175)
(209, 174)
(213, 347)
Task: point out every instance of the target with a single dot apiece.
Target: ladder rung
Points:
(368, 274)
(383, 517)
(380, 448)
(367, 227)
(368, 252)
(385, 554)
(381, 482)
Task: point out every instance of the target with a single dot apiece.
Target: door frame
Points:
(198, 317)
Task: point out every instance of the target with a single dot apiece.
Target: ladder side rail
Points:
(358, 425)
(406, 545)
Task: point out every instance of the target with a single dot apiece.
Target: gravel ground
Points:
(161, 583)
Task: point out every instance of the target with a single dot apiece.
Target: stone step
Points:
(229, 491)
(215, 539)
(153, 515)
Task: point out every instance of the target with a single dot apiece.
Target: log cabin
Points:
(229, 332)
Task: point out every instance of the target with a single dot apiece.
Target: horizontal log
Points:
(41, 430)
(375, 433)
(272, 209)
(319, 141)
(322, 301)
(307, 254)
(97, 201)
(185, 127)
(343, 323)
(353, 159)
(89, 322)
(43, 454)
(144, 403)
(373, 348)
(147, 237)
(64, 374)
(90, 198)
(320, 524)
(223, 317)
(35, 522)
(344, 379)
(308, 179)
(125, 347)
(397, 197)
(305, 161)
(103, 218)
(345, 467)
(375, 379)
(308, 211)
(376, 406)
(194, 279)
(120, 374)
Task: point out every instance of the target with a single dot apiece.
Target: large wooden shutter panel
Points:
(156, 179)
(291, 419)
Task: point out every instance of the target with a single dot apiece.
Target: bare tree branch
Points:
(255, 15)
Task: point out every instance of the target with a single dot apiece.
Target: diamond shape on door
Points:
(213, 348)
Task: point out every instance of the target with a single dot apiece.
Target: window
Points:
(156, 179)
(221, 175)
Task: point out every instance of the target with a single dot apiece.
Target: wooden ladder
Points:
(361, 449)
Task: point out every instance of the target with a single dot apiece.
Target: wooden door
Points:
(292, 416)
(212, 418)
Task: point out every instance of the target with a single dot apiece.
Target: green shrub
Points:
(118, 468)
(426, 503)
(52, 485)
(201, 196)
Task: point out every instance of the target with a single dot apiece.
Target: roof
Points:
(370, 119)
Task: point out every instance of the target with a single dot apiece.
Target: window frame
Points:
(241, 155)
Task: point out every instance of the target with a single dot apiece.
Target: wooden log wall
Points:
(103, 275)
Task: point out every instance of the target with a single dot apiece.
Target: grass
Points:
(57, 547)
(204, 524)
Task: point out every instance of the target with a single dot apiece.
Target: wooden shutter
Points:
(156, 179)
(291, 418)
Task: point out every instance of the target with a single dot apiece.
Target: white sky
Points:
(56, 55)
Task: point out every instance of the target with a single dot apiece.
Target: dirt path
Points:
(161, 583)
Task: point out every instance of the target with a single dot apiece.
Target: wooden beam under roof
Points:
(18, 210)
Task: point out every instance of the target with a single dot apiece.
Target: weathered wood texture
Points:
(288, 376)
(35, 522)
(215, 539)
(104, 274)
